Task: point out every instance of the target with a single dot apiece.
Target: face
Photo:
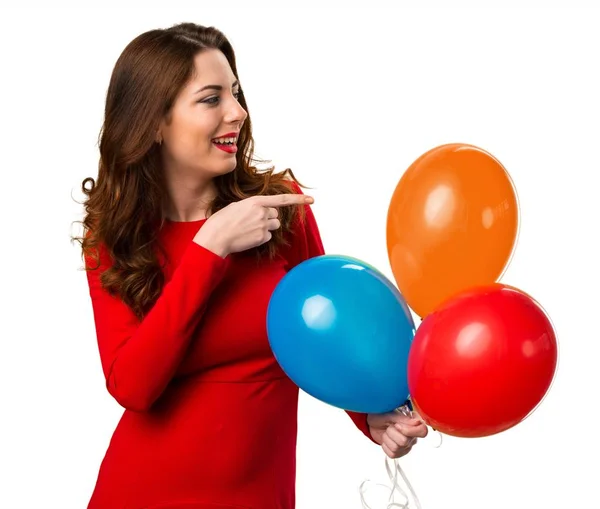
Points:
(205, 111)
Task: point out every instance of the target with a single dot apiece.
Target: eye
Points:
(210, 100)
(214, 100)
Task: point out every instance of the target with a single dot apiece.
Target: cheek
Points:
(202, 131)
(194, 129)
(203, 128)
(194, 141)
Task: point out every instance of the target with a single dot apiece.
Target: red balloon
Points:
(482, 362)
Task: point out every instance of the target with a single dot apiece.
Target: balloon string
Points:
(393, 476)
(396, 488)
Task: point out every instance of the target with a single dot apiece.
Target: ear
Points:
(158, 138)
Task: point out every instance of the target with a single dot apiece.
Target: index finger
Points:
(281, 200)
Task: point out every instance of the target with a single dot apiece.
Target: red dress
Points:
(210, 418)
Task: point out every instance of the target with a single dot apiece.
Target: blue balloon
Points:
(342, 333)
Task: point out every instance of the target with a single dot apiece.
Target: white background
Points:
(348, 98)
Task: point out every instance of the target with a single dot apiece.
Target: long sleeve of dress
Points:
(139, 358)
(308, 244)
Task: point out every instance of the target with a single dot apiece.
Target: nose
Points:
(235, 113)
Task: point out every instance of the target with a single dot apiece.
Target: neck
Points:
(189, 198)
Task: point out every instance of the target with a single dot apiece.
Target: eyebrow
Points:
(215, 87)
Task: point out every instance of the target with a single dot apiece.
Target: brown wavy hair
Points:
(124, 206)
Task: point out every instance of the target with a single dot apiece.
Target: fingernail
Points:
(309, 199)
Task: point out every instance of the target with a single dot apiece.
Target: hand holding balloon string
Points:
(397, 432)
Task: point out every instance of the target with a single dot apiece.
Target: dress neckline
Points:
(195, 221)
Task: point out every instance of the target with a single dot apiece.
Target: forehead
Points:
(212, 68)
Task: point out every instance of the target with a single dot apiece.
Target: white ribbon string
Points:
(395, 490)
(394, 473)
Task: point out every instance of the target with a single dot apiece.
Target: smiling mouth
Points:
(226, 144)
(226, 141)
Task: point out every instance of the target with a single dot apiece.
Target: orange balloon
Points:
(452, 224)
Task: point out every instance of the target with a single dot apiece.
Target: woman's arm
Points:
(139, 359)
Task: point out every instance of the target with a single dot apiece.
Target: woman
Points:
(184, 243)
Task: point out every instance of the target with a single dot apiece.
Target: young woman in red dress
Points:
(184, 241)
